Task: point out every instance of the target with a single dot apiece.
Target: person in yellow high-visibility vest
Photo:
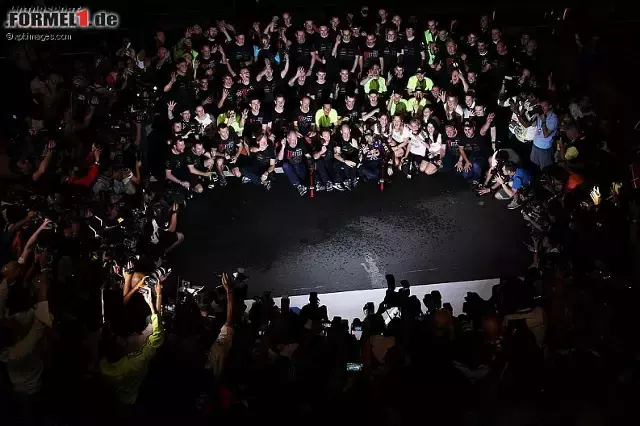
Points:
(430, 36)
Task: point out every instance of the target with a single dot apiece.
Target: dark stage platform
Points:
(427, 230)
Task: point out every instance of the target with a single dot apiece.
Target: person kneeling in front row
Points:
(295, 156)
(261, 164)
(510, 184)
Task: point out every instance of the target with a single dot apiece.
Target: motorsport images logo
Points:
(59, 18)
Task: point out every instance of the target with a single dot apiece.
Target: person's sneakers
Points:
(246, 179)
(354, 182)
(347, 185)
(389, 171)
(267, 184)
(514, 204)
(302, 190)
(330, 186)
(223, 180)
(338, 186)
(320, 187)
(409, 176)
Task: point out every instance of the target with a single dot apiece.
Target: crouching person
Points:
(295, 156)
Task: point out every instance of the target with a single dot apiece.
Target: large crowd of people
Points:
(108, 152)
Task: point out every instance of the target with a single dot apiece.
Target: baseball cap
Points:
(467, 123)
(419, 71)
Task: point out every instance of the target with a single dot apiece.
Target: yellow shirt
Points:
(324, 122)
(426, 83)
(379, 82)
(127, 374)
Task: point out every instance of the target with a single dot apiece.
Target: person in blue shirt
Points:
(510, 184)
(546, 131)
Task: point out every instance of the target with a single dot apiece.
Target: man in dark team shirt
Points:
(298, 85)
(345, 85)
(245, 86)
(475, 150)
(180, 83)
(240, 54)
(228, 94)
(484, 58)
(302, 52)
(309, 28)
(256, 121)
(323, 155)
(304, 117)
(371, 152)
(371, 54)
(294, 156)
(323, 45)
(348, 112)
(503, 64)
(267, 53)
(208, 62)
(346, 156)
(452, 150)
(346, 51)
(398, 81)
(413, 52)
(261, 164)
(199, 164)
(389, 53)
(320, 88)
(227, 150)
(279, 118)
(269, 82)
(372, 107)
(205, 94)
(176, 171)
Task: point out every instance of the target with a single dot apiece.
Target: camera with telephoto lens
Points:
(537, 110)
(497, 170)
(158, 275)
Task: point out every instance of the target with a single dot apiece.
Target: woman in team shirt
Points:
(435, 149)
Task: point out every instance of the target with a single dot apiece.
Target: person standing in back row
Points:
(546, 130)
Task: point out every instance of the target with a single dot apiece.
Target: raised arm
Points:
(169, 85)
(32, 240)
(484, 129)
(285, 70)
(42, 167)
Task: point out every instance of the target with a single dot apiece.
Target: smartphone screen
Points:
(357, 332)
(352, 366)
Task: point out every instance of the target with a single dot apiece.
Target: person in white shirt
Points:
(416, 139)
(522, 125)
(204, 119)
(396, 143)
